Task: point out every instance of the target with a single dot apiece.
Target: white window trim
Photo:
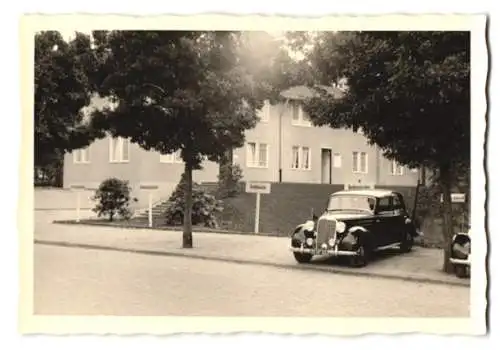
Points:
(394, 167)
(301, 121)
(170, 158)
(335, 155)
(301, 160)
(257, 151)
(264, 113)
(120, 160)
(77, 155)
(358, 166)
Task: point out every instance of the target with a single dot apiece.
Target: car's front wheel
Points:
(302, 258)
(406, 244)
(361, 258)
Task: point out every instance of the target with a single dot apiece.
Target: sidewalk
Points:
(421, 265)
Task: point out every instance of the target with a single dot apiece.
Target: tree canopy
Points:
(62, 88)
(408, 91)
(196, 92)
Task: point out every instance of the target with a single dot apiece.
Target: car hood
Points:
(348, 215)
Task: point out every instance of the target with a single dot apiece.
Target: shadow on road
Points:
(376, 257)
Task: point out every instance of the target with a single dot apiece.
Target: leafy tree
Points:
(62, 89)
(410, 94)
(230, 176)
(193, 91)
(205, 206)
(113, 198)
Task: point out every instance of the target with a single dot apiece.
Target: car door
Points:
(398, 221)
(383, 218)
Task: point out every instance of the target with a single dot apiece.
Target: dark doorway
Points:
(326, 166)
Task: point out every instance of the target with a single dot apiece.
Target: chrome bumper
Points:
(329, 251)
(460, 261)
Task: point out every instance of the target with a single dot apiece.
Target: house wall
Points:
(339, 141)
(145, 166)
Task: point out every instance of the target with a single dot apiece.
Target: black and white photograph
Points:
(238, 168)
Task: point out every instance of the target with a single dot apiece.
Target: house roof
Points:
(302, 92)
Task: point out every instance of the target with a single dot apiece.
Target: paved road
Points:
(76, 281)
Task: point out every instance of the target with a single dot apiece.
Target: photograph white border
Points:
(28, 323)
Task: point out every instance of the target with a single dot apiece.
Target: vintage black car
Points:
(356, 223)
(461, 254)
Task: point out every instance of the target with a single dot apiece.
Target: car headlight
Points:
(324, 246)
(309, 241)
(331, 242)
(340, 227)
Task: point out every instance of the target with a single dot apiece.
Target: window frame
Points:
(120, 142)
(300, 150)
(302, 119)
(256, 159)
(394, 166)
(356, 165)
(172, 158)
(77, 155)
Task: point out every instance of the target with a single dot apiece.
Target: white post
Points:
(150, 213)
(257, 212)
(77, 205)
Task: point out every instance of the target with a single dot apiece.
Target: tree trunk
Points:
(187, 234)
(445, 184)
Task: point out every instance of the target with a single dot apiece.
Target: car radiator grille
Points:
(326, 230)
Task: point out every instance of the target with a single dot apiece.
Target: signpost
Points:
(150, 189)
(79, 189)
(456, 198)
(258, 188)
(459, 198)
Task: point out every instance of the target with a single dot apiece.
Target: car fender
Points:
(411, 227)
(360, 233)
(460, 238)
(357, 229)
(299, 229)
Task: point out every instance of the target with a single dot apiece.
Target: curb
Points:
(418, 243)
(315, 268)
(196, 229)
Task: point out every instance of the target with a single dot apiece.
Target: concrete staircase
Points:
(142, 215)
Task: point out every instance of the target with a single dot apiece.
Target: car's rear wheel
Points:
(461, 271)
(302, 258)
(406, 244)
(361, 258)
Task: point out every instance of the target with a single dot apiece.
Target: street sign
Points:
(150, 188)
(258, 188)
(456, 198)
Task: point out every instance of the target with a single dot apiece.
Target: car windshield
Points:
(351, 202)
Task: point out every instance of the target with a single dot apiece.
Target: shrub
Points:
(229, 177)
(113, 198)
(205, 207)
